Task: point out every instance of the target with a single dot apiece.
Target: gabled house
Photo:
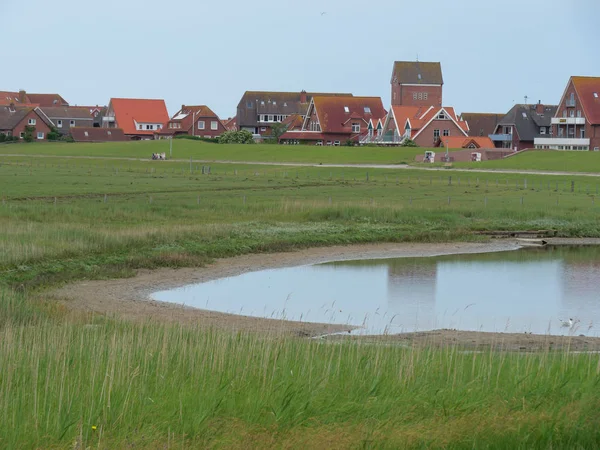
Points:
(417, 83)
(94, 134)
(337, 120)
(139, 118)
(194, 121)
(481, 124)
(257, 111)
(424, 125)
(64, 118)
(519, 128)
(14, 121)
(576, 122)
(230, 124)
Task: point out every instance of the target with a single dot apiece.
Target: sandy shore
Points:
(130, 298)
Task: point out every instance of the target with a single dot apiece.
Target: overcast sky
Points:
(493, 54)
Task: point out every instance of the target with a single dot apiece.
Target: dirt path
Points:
(129, 298)
(332, 166)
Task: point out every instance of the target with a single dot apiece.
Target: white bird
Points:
(567, 323)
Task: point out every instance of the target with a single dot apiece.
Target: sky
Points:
(493, 54)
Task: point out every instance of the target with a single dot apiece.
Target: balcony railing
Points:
(501, 137)
(554, 142)
(568, 121)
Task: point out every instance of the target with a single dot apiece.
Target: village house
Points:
(193, 121)
(481, 124)
(519, 128)
(94, 134)
(423, 125)
(337, 120)
(64, 118)
(470, 142)
(230, 124)
(576, 122)
(140, 119)
(15, 119)
(416, 83)
(258, 111)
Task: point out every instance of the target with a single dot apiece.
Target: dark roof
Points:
(10, 117)
(481, 124)
(588, 91)
(254, 103)
(417, 72)
(47, 99)
(67, 112)
(528, 121)
(91, 134)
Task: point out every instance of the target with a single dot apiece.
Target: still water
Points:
(529, 290)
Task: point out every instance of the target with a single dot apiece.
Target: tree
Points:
(29, 130)
(408, 143)
(277, 130)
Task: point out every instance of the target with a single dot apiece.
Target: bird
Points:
(568, 323)
(323, 13)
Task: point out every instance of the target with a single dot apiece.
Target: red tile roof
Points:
(294, 122)
(128, 111)
(230, 124)
(188, 114)
(90, 134)
(464, 142)
(586, 87)
(47, 99)
(420, 116)
(336, 113)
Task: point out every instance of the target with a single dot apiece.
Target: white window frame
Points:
(336, 143)
(31, 122)
(40, 135)
(22, 135)
(414, 95)
(356, 127)
(446, 133)
(542, 130)
(72, 123)
(201, 125)
(59, 124)
(346, 109)
(425, 95)
(214, 125)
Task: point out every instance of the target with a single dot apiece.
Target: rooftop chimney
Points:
(22, 96)
(539, 108)
(303, 96)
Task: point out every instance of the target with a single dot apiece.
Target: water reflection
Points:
(523, 291)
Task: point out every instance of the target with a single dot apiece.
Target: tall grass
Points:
(107, 384)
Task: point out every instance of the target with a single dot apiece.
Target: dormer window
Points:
(346, 109)
(367, 110)
(442, 116)
(595, 95)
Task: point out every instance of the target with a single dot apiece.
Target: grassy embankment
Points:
(156, 386)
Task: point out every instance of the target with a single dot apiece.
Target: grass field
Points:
(548, 160)
(72, 381)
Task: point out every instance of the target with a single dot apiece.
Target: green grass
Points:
(548, 160)
(184, 149)
(153, 385)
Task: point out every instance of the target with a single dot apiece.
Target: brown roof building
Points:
(416, 83)
(481, 124)
(194, 121)
(257, 111)
(94, 134)
(15, 120)
(337, 120)
(66, 117)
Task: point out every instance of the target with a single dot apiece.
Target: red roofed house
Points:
(139, 118)
(230, 124)
(14, 121)
(95, 134)
(335, 120)
(193, 121)
(474, 142)
(576, 123)
(424, 125)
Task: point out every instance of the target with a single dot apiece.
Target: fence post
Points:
(450, 181)
(105, 198)
(573, 186)
(367, 176)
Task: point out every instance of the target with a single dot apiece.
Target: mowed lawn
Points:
(184, 149)
(547, 160)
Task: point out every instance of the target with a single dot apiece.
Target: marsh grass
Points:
(95, 382)
(157, 384)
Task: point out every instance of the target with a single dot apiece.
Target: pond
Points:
(528, 290)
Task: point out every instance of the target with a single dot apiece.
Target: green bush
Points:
(29, 130)
(236, 137)
(408, 143)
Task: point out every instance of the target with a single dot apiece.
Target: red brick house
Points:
(230, 124)
(337, 120)
(576, 123)
(14, 121)
(140, 119)
(416, 83)
(194, 121)
(424, 125)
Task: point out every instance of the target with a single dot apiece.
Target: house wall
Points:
(208, 131)
(426, 139)
(40, 126)
(591, 131)
(66, 124)
(402, 95)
